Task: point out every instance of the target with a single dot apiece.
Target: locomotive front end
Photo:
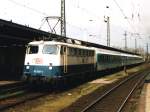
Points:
(41, 62)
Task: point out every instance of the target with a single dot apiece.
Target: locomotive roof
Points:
(60, 43)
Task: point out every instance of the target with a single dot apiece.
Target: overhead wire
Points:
(124, 15)
(82, 9)
(87, 12)
(91, 13)
(29, 8)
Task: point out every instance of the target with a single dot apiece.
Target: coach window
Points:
(92, 53)
(89, 53)
(110, 58)
(71, 51)
(86, 53)
(103, 58)
(50, 49)
(75, 51)
(81, 52)
(107, 58)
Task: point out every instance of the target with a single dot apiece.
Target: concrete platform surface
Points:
(144, 102)
(8, 82)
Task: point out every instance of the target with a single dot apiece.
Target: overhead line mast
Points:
(107, 20)
(63, 18)
(125, 35)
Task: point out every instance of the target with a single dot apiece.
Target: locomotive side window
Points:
(73, 51)
(69, 51)
(91, 53)
(82, 51)
(32, 49)
(79, 52)
(61, 50)
(76, 52)
(50, 49)
(88, 53)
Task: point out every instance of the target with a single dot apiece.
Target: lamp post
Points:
(107, 20)
(135, 45)
(125, 39)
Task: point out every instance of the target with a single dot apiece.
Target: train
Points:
(50, 61)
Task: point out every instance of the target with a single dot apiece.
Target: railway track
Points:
(12, 90)
(15, 94)
(115, 99)
(15, 101)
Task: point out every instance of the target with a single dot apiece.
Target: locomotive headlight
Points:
(50, 66)
(27, 67)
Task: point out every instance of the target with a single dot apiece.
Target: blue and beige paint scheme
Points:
(57, 64)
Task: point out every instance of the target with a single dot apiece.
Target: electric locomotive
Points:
(50, 60)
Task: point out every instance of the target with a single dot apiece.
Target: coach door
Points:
(65, 59)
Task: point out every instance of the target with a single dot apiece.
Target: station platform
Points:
(144, 102)
(2, 83)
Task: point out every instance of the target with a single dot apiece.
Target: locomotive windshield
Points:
(32, 49)
(50, 49)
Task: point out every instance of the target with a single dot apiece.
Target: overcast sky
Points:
(85, 18)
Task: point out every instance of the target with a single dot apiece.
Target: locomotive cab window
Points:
(32, 49)
(50, 49)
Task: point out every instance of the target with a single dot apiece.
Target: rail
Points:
(134, 77)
